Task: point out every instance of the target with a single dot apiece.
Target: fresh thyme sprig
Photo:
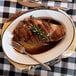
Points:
(39, 32)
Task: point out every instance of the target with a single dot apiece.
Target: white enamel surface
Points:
(43, 57)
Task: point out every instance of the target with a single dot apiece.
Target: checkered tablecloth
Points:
(66, 67)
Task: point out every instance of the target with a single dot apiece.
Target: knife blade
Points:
(37, 5)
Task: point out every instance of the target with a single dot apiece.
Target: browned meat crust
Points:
(35, 32)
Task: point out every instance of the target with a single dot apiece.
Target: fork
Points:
(17, 46)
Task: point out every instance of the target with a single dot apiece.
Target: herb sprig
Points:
(39, 32)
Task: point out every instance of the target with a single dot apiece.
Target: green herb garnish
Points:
(39, 32)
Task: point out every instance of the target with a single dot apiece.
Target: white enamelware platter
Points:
(46, 56)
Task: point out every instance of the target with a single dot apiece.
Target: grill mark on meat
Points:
(32, 35)
(29, 33)
(49, 29)
(47, 26)
(20, 24)
(33, 21)
(23, 34)
(38, 23)
(44, 29)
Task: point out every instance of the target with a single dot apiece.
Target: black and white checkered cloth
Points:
(66, 67)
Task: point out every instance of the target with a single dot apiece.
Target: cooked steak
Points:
(38, 31)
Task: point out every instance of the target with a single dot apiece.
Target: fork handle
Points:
(44, 65)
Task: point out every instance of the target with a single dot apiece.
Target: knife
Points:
(37, 5)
